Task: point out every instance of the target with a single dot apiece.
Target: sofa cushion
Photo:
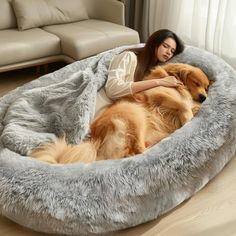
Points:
(51, 12)
(27, 45)
(7, 16)
(85, 38)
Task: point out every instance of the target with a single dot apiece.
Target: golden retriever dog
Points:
(136, 122)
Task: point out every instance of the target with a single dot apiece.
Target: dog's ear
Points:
(184, 73)
(156, 73)
(179, 72)
(176, 74)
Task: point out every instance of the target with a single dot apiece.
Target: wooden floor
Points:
(210, 212)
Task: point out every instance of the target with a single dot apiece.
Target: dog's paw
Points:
(186, 117)
(196, 108)
(137, 149)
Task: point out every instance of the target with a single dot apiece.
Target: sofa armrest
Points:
(108, 10)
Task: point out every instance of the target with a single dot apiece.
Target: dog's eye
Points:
(196, 84)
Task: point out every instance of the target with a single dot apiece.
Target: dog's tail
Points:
(61, 152)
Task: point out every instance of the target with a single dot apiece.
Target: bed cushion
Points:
(7, 16)
(28, 45)
(51, 12)
(89, 37)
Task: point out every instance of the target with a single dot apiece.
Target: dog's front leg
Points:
(185, 116)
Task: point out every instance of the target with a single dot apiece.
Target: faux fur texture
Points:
(108, 195)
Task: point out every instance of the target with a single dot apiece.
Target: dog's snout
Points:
(202, 98)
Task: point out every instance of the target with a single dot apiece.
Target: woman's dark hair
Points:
(146, 55)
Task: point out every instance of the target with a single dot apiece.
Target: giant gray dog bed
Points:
(91, 199)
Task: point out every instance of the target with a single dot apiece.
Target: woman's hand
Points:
(169, 81)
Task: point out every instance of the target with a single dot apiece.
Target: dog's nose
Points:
(202, 98)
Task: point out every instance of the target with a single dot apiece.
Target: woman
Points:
(127, 70)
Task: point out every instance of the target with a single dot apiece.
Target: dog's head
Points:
(192, 77)
(197, 83)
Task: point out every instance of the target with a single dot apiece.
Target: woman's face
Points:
(166, 50)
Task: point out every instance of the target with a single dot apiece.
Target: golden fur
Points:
(136, 122)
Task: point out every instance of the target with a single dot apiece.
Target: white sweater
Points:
(120, 77)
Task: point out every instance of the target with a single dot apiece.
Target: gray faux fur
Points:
(109, 195)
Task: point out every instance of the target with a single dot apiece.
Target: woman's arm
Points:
(169, 81)
(121, 75)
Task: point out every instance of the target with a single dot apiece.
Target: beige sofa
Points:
(35, 32)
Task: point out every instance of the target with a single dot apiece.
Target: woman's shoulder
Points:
(126, 56)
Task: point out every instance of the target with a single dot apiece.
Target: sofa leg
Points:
(45, 67)
(38, 69)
